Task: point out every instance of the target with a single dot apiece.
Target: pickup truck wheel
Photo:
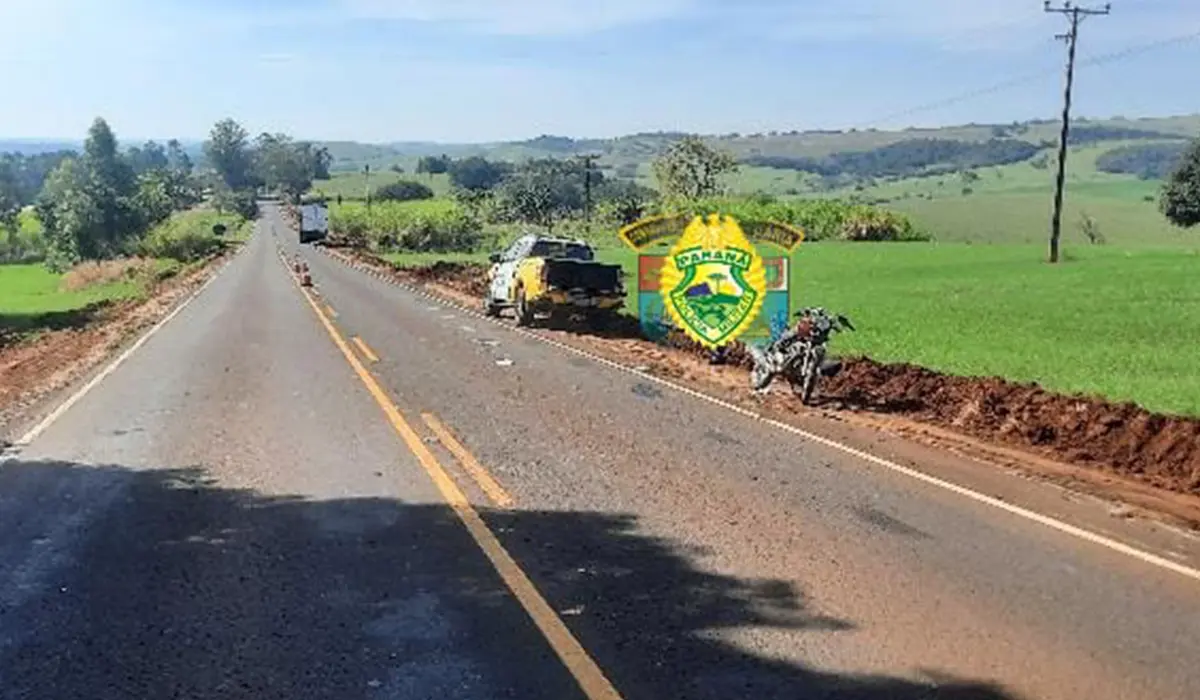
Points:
(490, 308)
(524, 313)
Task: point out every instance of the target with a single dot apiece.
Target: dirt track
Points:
(1122, 440)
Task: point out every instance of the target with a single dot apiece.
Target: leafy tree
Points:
(403, 191)
(321, 159)
(228, 151)
(434, 165)
(542, 191)
(1149, 162)
(1180, 201)
(151, 156)
(689, 169)
(623, 201)
(10, 194)
(476, 173)
(177, 158)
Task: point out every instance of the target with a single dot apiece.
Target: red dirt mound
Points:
(1123, 438)
(1161, 451)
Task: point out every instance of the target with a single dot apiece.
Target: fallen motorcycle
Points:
(799, 354)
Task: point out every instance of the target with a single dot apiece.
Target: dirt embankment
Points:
(1121, 440)
(33, 368)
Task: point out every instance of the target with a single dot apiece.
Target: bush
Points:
(402, 191)
(240, 202)
(820, 219)
(423, 226)
(187, 236)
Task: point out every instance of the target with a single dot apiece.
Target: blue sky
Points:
(480, 70)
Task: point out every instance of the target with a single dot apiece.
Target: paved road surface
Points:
(230, 514)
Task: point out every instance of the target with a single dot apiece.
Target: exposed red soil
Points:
(32, 369)
(1123, 440)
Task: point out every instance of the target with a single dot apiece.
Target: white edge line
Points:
(65, 406)
(1053, 523)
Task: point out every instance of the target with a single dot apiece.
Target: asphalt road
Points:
(263, 502)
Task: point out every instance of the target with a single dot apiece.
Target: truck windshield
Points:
(556, 249)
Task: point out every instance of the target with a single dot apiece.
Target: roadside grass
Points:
(1116, 322)
(33, 299)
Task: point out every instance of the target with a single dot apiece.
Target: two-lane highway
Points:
(363, 493)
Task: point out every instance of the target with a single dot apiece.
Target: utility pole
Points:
(589, 161)
(1075, 15)
(367, 184)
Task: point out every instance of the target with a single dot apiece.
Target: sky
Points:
(489, 70)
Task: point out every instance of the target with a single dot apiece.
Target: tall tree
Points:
(476, 173)
(228, 151)
(177, 158)
(285, 165)
(1180, 201)
(543, 191)
(689, 169)
(10, 192)
(151, 156)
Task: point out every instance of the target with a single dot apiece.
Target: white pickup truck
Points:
(314, 222)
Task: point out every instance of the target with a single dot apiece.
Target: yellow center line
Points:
(365, 349)
(490, 486)
(330, 311)
(580, 665)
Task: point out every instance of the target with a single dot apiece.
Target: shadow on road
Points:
(118, 583)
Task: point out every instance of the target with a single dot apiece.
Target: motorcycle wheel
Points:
(759, 379)
(807, 387)
(808, 381)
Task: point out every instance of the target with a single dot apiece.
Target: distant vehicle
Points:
(314, 222)
(558, 276)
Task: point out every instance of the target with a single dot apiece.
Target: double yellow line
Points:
(581, 666)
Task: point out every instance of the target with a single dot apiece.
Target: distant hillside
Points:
(626, 152)
(30, 147)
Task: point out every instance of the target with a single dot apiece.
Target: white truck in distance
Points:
(314, 222)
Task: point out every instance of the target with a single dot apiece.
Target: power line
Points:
(1076, 15)
(1026, 78)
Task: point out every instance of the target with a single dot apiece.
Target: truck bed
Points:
(592, 277)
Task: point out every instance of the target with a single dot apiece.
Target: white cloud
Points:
(521, 17)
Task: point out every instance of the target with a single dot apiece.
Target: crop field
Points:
(1115, 322)
(354, 185)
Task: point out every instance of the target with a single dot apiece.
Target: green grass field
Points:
(1008, 204)
(32, 298)
(1000, 311)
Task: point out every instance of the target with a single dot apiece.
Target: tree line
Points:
(275, 162)
(100, 202)
(906, 158)
(1149, 162)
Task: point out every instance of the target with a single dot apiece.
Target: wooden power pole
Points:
(1075, 15)
(367, 184)
(589, 163)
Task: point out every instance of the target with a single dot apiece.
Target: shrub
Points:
(820, 219)
(402, 191)
(187, 236)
